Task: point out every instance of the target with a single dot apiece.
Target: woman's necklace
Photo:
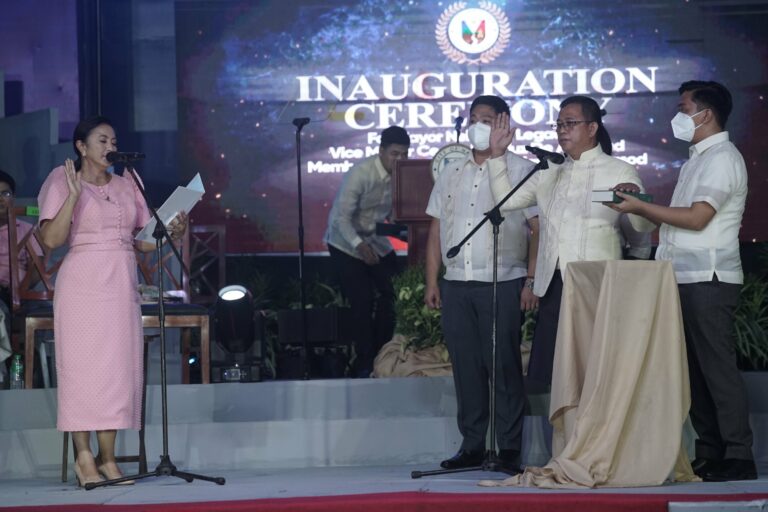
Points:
(103, 189)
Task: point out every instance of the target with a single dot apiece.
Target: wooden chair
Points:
(181, 314)
(207, 261)
(33, 304)
(207, 266)
(31, 295)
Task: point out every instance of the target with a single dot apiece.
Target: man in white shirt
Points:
(700, 235)
(459, 200)
(364, 261)
(573, 228)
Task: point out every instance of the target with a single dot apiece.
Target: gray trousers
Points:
(719, 410)
(466, 319)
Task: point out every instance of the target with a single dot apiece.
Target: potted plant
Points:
(417, 348)
(751, 324)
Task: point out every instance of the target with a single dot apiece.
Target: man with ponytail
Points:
(572, 227)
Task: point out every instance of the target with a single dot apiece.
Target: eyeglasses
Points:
(6, 194)
(566, 125)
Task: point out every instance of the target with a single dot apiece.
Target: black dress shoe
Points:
(702, 466)
(509, 462)
(463, 459)
(732, 469)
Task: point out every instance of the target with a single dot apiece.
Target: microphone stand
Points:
(491, 462)
(166, 467)
(459, 121)
(299, 123)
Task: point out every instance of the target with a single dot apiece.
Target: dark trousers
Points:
(371, 296)
(719, 410)
(545, 334)
(467, 320)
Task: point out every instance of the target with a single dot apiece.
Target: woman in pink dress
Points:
(97, 314)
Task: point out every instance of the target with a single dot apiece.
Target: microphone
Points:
(459, 121)
(116, 156)
(299, 122)
(543, 154)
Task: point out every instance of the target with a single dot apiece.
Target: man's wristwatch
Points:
(529, 283)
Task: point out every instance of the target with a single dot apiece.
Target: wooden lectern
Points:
(411, 186)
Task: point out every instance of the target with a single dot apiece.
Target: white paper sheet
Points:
(182, 199)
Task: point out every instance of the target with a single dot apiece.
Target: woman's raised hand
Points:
(73, 179)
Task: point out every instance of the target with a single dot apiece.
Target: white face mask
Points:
(480, 136)
(683, 126)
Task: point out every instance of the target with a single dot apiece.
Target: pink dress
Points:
(97, 315)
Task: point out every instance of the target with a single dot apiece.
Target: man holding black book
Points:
(700, 235)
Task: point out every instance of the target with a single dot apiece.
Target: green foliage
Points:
(751, 324)
(420, 325)
(317, 294)
(529, 326)
(267, 294)
(261, 288)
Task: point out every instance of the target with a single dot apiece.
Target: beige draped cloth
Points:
(395, 360)
(620, 391)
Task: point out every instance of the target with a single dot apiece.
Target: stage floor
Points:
(316, 446)
(366, 486)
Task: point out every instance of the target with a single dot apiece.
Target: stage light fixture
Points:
(233, 292)
(233, 318)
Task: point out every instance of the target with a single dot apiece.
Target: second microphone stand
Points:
(491, 462)
(299, 123)
(166, 467)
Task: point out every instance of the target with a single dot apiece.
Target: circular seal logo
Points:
(475, 35)
(446, 155)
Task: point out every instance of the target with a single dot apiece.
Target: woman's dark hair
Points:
(83, 130)
(497, 104)
(593, 114)
(710, 95)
